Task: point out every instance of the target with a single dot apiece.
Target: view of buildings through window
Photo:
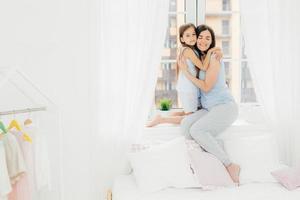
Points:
(223, 16)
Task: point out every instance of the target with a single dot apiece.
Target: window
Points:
(225, 27)
(225, 48)
(247, 89)
(225, 5)
(226, 22)
(166, 83)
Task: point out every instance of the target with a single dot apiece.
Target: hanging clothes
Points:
(24, 188)
(16, 166)
(4, 178)
(37, 177)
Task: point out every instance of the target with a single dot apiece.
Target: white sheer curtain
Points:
(132, 34)
(271, 31)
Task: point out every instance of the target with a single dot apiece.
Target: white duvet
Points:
(125, 188)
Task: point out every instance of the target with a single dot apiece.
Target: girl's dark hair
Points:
(200, 29)
(182, 29)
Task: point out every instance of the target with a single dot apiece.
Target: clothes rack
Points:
(38, 101)
(27, 110)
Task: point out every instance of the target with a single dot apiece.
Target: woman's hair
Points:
(182, 29)
(202, 28)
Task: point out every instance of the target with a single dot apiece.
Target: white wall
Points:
(53, 41)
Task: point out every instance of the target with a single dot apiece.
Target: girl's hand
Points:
(217, 51)
(181, 62)
(214, 49)
(218, 55)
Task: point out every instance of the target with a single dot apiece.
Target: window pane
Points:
(170, 45)
(173, 6)
(226, 5)
(226, 25)
(226, 48)
(228, 73)
(247, 88)
(166, 83)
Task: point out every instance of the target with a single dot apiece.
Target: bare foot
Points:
(155, 121)
(234, 172)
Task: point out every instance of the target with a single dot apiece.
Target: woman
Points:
(219, 108)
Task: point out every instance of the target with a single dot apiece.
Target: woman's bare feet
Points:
(234, 172)
(155, 121)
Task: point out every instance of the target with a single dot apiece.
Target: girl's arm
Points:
(190, 54)
(215, 50)
(211, 74)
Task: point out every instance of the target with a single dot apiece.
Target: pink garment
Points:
(5, 185)
(24, 188)
(13, 194)
(288, 177)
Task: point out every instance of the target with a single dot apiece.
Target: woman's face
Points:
(204, 40)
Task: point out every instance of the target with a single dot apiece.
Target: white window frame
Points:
(197, 16)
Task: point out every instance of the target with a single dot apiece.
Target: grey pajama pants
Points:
(205, 125)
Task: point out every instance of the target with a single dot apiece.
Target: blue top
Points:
(183, 83)
(219, 93)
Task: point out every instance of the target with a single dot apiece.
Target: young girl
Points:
(187, 92)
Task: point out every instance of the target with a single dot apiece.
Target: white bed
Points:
(125, 188)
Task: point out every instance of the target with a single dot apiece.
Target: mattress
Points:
(125, 188)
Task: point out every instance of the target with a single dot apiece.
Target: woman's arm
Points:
(211, 74)
(190, 54)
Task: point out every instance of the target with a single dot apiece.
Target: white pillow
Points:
(162, 166)
(256, 155)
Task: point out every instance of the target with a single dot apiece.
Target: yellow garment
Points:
(15, 124)
(26, 137)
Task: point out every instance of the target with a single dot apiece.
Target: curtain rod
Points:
(27, 110)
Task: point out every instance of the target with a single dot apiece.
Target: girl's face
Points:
(189, 36)
(204, 40)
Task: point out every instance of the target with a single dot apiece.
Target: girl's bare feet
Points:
(234, 172)
(177, 114)
(155, 121)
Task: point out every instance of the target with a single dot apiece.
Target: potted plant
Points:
(165, 105)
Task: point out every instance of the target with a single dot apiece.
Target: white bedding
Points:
(125, 188)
